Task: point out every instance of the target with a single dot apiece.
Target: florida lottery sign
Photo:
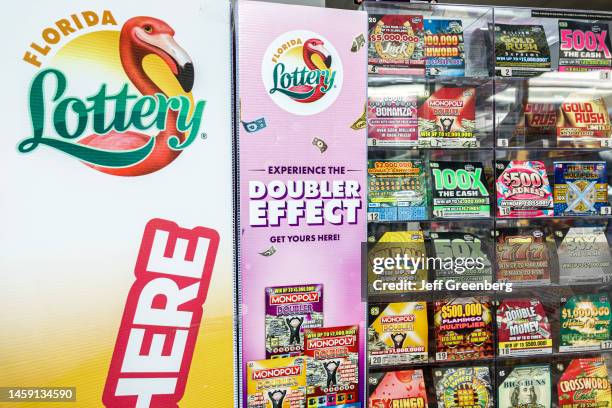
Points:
(115, 219)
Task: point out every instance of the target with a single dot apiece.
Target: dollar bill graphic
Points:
(358, 42)
(361, 122)
(319, 144)
(268, 252)
(255, 126)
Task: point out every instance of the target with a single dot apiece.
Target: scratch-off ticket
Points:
(276, 383)
(289, 311)
(397, 333)
(464, 329)
(332, 366)
(523, 328)
(395, 389)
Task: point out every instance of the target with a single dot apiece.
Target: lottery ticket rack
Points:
(489, 137)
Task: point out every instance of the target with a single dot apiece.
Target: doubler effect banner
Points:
(116, 221)
(302, 146)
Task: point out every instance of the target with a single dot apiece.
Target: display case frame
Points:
(509, 95)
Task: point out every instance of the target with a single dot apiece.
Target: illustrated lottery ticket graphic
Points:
(463, 329)
(277, 383)
(525, 386)
(523, 189)
(289, 311)
(397, 388)
(585, 383)
(523, 328)
(464, 387)
(397, 333)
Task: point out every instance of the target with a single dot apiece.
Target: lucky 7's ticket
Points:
(523, 257)
(464, 329)
(289, 311)
(332, 366)
(277, 383)
(523, 328)
(397, 333)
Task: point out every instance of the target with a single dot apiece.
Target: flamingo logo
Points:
(135, 118)
(302, 72)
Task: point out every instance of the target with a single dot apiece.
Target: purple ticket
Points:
(289, 311)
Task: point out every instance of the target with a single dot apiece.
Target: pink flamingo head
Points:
(141, 36)
(314, 46)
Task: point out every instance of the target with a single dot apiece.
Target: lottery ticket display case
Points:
(489, 138)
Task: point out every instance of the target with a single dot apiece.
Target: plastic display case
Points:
(489, 135)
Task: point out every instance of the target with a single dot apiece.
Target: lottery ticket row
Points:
(570, 383)
(310, 365)
(479, 328)
(447, 115)
(399, 190)
(522, 257)
(416, 44)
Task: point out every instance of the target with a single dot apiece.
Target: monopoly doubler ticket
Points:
(289, 311)
(397, 333)
(277, 383)
(332, 366)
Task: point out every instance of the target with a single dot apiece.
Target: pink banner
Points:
(302, 145)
